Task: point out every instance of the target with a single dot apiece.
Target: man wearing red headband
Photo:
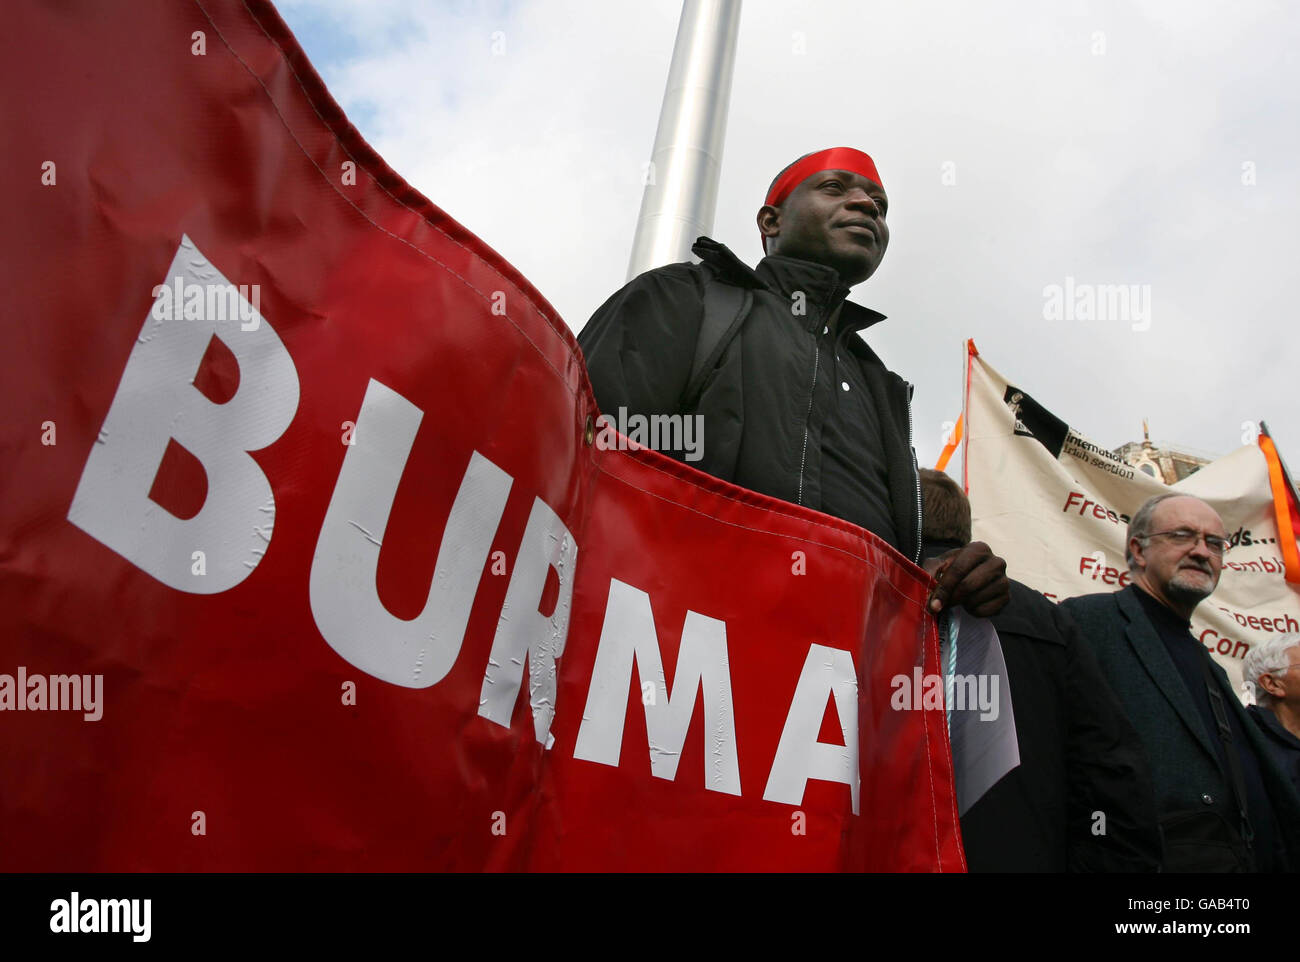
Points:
(794, 403)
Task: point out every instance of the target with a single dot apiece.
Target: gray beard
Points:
(1185, 594)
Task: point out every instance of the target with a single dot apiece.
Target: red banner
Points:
(308, 558)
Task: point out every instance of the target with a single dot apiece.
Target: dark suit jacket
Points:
(1184, 761)
(1079, 756)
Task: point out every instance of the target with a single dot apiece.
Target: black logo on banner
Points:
(1035, 421)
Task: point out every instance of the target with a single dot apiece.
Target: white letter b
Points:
(157, 401)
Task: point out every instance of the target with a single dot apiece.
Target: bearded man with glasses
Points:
(1224, 803)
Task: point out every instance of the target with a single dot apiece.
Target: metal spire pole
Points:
(681, 193)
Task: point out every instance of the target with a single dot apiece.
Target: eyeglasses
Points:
(1186, 537)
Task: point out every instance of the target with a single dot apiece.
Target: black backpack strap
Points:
(1220, 709)
(725, 308)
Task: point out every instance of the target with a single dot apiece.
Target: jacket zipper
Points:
(916, 472)
(803, 457)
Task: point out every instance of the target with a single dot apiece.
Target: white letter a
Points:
(800, 756)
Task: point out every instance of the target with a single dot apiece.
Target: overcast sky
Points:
(1154, 144)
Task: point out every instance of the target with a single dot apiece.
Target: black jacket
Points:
(763, 407)
(1284, 746)
(1185, 765)
(1081, 799)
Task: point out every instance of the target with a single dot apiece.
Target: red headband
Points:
(835, 158)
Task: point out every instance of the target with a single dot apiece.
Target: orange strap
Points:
(954, 439)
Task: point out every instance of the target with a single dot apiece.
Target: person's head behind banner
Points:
(946, 518)
(828, 207)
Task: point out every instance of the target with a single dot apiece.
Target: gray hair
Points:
(1268, 657)
(1140, 526)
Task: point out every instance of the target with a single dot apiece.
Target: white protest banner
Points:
(1056, 506)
